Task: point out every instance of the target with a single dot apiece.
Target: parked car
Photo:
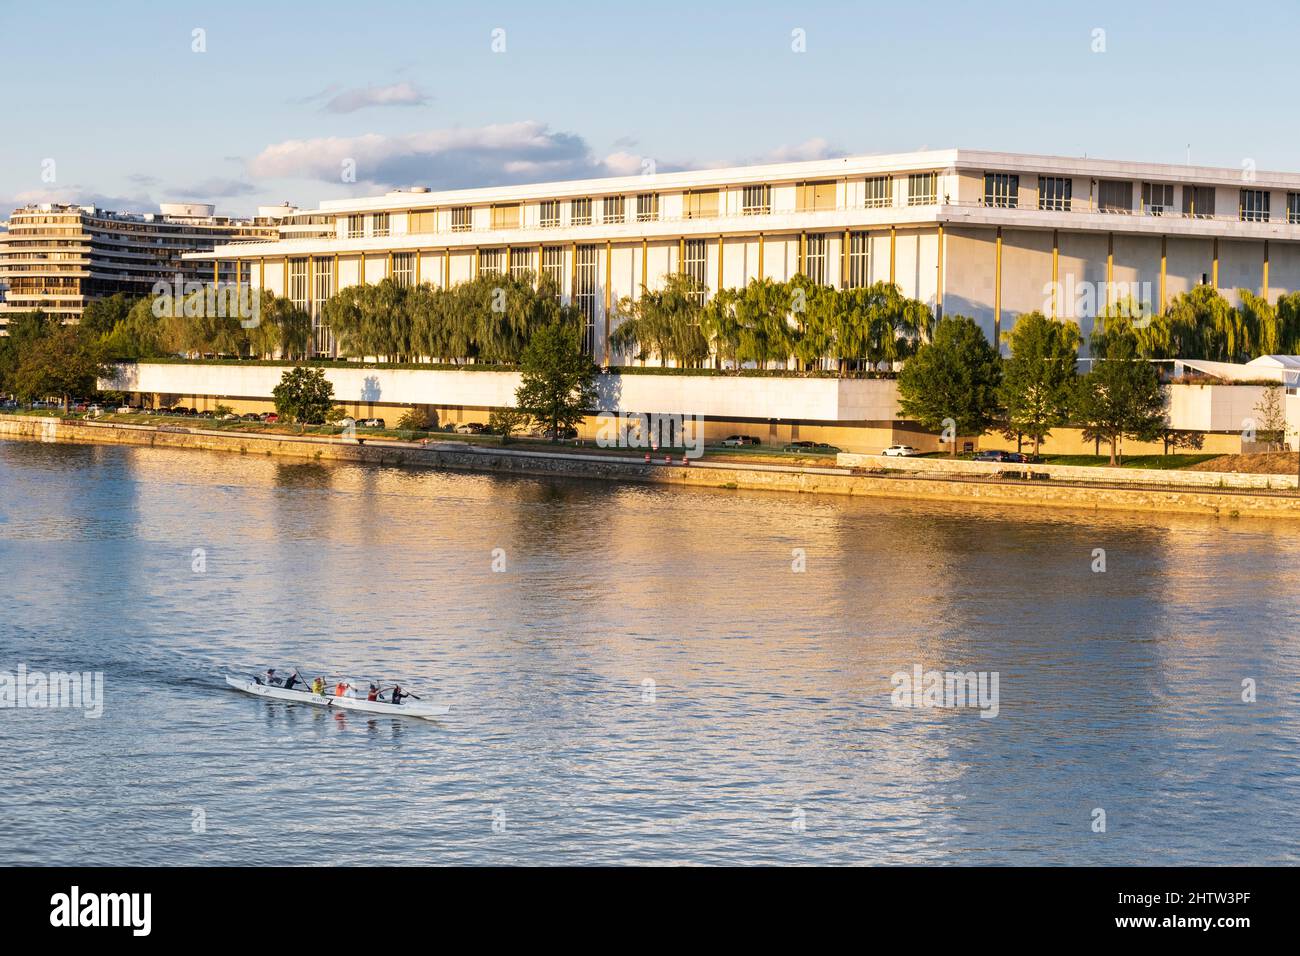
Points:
(95, 409)
(371, 423)
(1020, 458)
(991, 454)
(250, 417)
(470, 428)
(270, 417)
(900, 451)
(738, 441)
(230, 417)
(811, 448)
(564, 434)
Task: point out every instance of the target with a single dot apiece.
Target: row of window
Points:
(1002, 190)
(921, 190)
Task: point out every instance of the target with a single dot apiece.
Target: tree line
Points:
(958, 384)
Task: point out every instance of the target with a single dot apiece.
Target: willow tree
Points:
(664, 322)
(878, 324)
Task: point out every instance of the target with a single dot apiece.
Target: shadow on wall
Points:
(370, 390)
(609, 393)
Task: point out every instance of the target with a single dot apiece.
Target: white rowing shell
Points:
(414, 709)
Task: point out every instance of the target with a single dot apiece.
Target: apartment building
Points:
(58, 258)
(986, 234)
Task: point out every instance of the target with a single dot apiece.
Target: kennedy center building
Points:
(985, 234)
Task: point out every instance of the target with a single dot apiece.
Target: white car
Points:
(899, 451)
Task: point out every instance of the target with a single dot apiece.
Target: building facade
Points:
(985, 234)
(59, 258)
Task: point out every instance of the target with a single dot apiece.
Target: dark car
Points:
(563, 434)
(1020, 458)
(811, 448)
(991, 455)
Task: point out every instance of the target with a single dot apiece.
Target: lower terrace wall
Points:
(835, 481)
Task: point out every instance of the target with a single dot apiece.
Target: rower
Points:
(271, 678)
(374, 693)
(340, 689)
(318, 686)
(397, 694)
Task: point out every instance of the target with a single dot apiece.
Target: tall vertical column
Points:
(938, 279)
(1164, 261)
(997, 290)
(1265, 283)
(1056, 273)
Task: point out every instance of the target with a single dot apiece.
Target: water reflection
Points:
(651, 678)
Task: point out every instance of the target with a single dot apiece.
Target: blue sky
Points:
(412, 92)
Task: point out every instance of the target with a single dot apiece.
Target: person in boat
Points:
(291, 680)
(318, 687)
(397, 694)
(374, 693)
(271, 679)
(341, 689)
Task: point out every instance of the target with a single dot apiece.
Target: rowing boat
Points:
(413, 709)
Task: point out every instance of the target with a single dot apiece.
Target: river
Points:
(637, 674)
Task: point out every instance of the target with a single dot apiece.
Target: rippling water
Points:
(771, 697)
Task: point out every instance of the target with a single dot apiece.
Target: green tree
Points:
(100, 317)
(64, 363)
(878, 324)
(1121, 397)
(664, 322)
(558, 385)
(506, 422)
(303, 396)
(1271, 424)
(26, 331)
(952, 381)
(1038, 380)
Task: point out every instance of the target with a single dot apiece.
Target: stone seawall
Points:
(755, 477)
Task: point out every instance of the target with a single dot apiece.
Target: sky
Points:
(128, 103)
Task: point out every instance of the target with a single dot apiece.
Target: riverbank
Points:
(1094, 495)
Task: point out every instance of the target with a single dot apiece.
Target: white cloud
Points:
(396, 94)
(809, 149)
(81, 196)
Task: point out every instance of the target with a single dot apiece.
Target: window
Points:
(614, 209)
(859, 253)
(505, 217)
(1157, 198)
(647, 207)
(521, 263)
(379, 224)
(460, 219)
(1254, 205)
(584, 294)
(1114, 196)
(550, 214)
(814, 258)
(356, 227)
(322, 283)
(700, 205)
(921, 188)
(694, 266)
(756, 201)
(815, 197)
(404, 268)
(879, 192)
(421, 222)
(299, 293)
(1001, 190)
(1054, 193)
(580, 212)
(1198, 202)
(1293, 208)
(489, 261)
(553, 267)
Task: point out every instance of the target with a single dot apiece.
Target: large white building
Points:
(985, 234)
